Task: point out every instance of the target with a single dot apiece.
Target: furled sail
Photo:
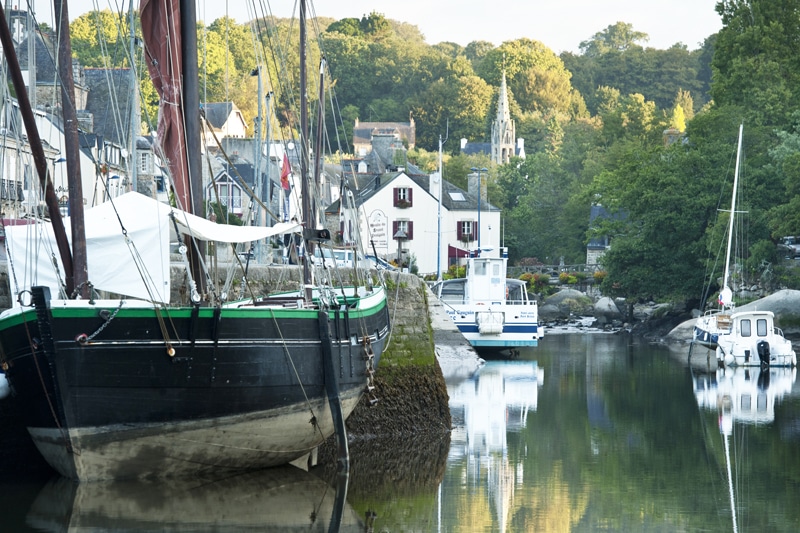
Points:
(127, 242)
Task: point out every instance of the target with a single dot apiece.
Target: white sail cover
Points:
(137, 266)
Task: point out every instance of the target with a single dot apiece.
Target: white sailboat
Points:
(745, 337)
(713, 323)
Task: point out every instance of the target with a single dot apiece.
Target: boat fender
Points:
(82, 339)
(763, 352)
(5, 388)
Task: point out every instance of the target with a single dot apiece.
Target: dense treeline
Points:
(593, 125)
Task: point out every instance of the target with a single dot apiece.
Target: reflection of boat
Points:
(133, 387)
(276, 499)
(493, 403)
(747, 338)
(750, 394)
(490, 310)
(742, 395)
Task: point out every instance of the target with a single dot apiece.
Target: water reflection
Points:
(582, 433)
(485, 410)
(285, 499)
(741, 396)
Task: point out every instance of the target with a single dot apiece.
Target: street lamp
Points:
(400, 236)
(479, 170)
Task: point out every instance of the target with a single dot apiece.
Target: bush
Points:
(455, 271)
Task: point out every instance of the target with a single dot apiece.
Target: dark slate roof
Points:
(453, 198)
(217, 112)
(45, 52)
(363, 131)
(600, 212)
(109, 102)
(477, 148)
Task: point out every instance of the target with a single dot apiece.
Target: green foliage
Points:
(617, 37)
(222, 214)
(755, 59)
(455, 271)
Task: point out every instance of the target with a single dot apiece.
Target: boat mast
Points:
(135, 117)
(308, 218)
(725, 287)
(35, 142)
(80, 274)
(191, 110)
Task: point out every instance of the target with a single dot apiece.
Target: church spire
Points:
(503, 133)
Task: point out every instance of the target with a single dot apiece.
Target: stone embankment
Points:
(413, 404)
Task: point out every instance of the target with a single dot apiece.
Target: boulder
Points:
(566, 303)
(606, 311)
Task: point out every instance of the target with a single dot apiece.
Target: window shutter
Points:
(394, 228)
(459, 229)
(409, 198)
(396, 193)
(410, 230)
(474, 230)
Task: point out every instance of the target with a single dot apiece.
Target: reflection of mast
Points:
(726, 428)
(745, 396)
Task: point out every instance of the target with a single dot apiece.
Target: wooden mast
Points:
(305, 190)
(80, 274)
(191, 111)
(51, 200)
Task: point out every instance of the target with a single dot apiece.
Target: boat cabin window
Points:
(496, 269)
(452, 292)
(761, 327)
(745, 325)
(480, 268)
(514, 292)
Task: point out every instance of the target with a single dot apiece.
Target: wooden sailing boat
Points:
(132, 387)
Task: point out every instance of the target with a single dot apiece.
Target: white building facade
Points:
(403, 220)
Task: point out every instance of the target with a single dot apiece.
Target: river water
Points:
(585, 432)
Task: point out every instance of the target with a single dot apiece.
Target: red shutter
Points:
(408, 196)
(396, 193)
(410, 229)
(394, 229)
(459, 228)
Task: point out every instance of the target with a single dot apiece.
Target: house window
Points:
(406, 225)
(466, 230)
(145, 163)
(402, 197)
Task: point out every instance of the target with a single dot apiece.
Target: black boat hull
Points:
(153, 393)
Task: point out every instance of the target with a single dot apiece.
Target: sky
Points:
(560, 24)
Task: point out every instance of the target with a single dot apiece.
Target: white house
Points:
(224, 119)
(401, 216)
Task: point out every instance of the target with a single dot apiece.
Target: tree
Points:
(755, 64)
(617, 37)
(100, 39)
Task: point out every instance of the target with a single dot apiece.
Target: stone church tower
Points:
(503, 133)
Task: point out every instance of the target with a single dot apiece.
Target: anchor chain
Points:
(83, 338)
(369, 356)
